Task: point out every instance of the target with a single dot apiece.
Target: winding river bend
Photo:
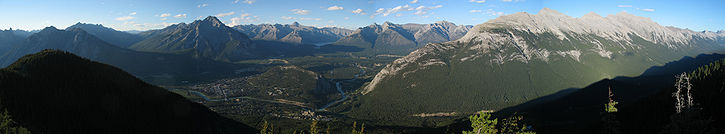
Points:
(339, 89)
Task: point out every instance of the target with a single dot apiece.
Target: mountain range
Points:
(449, 70)
(75, 40)
(118, 38)
(390, 38)
(208, 38)
(175, 52)
(57, 92)
(519, 57)
(153, 67)
(293, 33)
(9, 39)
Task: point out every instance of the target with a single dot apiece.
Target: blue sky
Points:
(154, 14)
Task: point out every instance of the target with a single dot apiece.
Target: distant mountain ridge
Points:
(9, 39)
(390, 38)
(75, 40)
(293, 33)
(518, 57)
(118, 38)
(153, 67)
(208, 38)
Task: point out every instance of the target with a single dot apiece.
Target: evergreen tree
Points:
(355, 131)
(511, 125)
(8, 126)
(611, 124)
(482, 124)
(313, 127)
(267, 128)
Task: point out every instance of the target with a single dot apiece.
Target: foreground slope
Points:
(58, 92)
(519, 57)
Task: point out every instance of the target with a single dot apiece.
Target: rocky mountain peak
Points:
(208, 38)
(82, 24)
(388, 24)
(295, 24)
(444, 22)
(614, 27)
(550, 12)
(213, 21)
(74, 29)
(49, 29)
(592, 15)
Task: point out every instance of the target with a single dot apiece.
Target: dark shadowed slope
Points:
(579, 110)
(58, 92)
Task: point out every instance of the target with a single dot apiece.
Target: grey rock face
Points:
(208, 38)
(390, 38)
(293, 33)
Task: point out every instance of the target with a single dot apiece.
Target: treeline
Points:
(8, 125)
(315, 128)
